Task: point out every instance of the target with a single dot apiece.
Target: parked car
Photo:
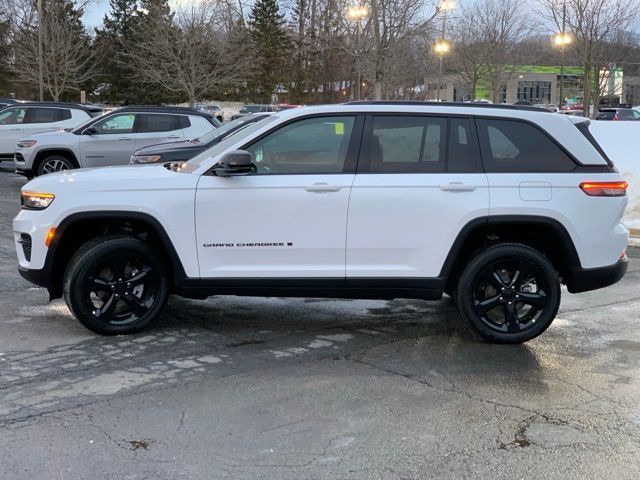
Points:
(29, 118)
(212, 108)
(186, 149)
(617, 114)
(249, 109)
(364, 200)
(573, 113)
(109, 139)
(547, 106)
(5, 102)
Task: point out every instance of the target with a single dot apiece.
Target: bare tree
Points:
(188, 53)
(470, 49)
(67, 59)
(594, 25)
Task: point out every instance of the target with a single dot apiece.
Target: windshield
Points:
(235, 137)
(221, 132)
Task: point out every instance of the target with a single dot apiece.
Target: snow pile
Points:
(621, 142)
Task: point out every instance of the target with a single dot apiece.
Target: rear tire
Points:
(509, 293)
(115, 285)
(54, 163)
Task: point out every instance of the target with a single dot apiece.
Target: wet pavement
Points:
(253, 388)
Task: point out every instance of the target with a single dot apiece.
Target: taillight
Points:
(605, 189)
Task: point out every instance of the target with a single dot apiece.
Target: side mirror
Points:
(90, 131)
(235, 162)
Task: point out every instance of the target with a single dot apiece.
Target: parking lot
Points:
(253, 388)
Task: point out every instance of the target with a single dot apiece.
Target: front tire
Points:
(54, 163)
(509, 293)
(115, 285)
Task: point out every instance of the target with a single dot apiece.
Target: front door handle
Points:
(174, 137)
(322, 187)
(457, 187)
(124, 139)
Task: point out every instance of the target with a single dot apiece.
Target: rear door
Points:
(112, 144)
(41, 119)
(419, 182)
(153, 128)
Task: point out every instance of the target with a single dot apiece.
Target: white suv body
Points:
(495, 206)
(109, 139)
(22, 119)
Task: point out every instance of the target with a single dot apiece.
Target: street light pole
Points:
(564, 26)
(442, 46)
(358, 14)
(40, 66)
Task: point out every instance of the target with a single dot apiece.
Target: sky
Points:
(95, 12)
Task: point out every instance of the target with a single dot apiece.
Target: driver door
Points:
(289, 217)
(112, 144)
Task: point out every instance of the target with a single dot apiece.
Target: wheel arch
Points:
(65, 152)
(78, 228)
(544, 234)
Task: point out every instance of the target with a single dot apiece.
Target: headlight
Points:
(36, 200)
(145, 158)
(26, 143)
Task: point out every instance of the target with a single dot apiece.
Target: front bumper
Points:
(39, 277)
(586, 279)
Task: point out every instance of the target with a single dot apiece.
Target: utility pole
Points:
(40, 66)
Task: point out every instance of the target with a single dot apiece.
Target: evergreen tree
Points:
(271, 46)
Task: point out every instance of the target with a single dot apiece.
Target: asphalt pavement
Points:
(273, 388)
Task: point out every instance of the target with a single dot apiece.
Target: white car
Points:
(494, 205)
(29, 118)
(109, 139)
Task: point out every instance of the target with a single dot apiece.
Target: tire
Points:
(509, 293)
(116, 285)
(54, 163)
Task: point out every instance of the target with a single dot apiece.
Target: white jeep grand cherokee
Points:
(495, 206)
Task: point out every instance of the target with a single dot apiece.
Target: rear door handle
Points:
(457, 187)
(322, 187)
(124, 139)
(174, 137)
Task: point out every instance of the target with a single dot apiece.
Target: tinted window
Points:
(514, 146)
(314, 145)
(157, 122)
(406, 144)
(12, 116)
(463, 154)
(184, 121)
(122, 123)
(44, 115)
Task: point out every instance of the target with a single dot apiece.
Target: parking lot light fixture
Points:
(357, 14)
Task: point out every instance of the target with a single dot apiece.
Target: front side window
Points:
(13, 116)
(157, 122)
(313, 145)
(44, 115)
(119, 123)
(515, 146)
(407, 144)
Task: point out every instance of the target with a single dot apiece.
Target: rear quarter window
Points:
(517, 146)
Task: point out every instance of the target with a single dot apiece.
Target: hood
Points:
(169, 147)
(121, 177)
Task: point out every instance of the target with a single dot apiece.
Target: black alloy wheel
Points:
(509, 293)
(116, 285)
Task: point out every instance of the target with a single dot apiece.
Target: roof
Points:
(451, 104)
(163, 109)
(78, 106)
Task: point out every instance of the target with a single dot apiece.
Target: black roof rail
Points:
(499, 106)
(79, 106)
(168, 109)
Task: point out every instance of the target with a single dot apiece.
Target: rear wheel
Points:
(509, 293)
(54, 163)
(115, 285)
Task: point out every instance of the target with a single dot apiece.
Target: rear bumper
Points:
(585, 279)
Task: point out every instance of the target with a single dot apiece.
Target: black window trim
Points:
(353, 150)
(32, 108)
(364, 164)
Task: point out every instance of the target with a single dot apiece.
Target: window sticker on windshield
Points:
(339, 128)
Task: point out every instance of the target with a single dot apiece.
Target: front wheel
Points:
(509, 293)
(54, 163)
(116, 285)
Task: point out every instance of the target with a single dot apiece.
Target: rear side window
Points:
(406, 144)
(514, 146)
(157, 122)
(45, 115)
(184, 121)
